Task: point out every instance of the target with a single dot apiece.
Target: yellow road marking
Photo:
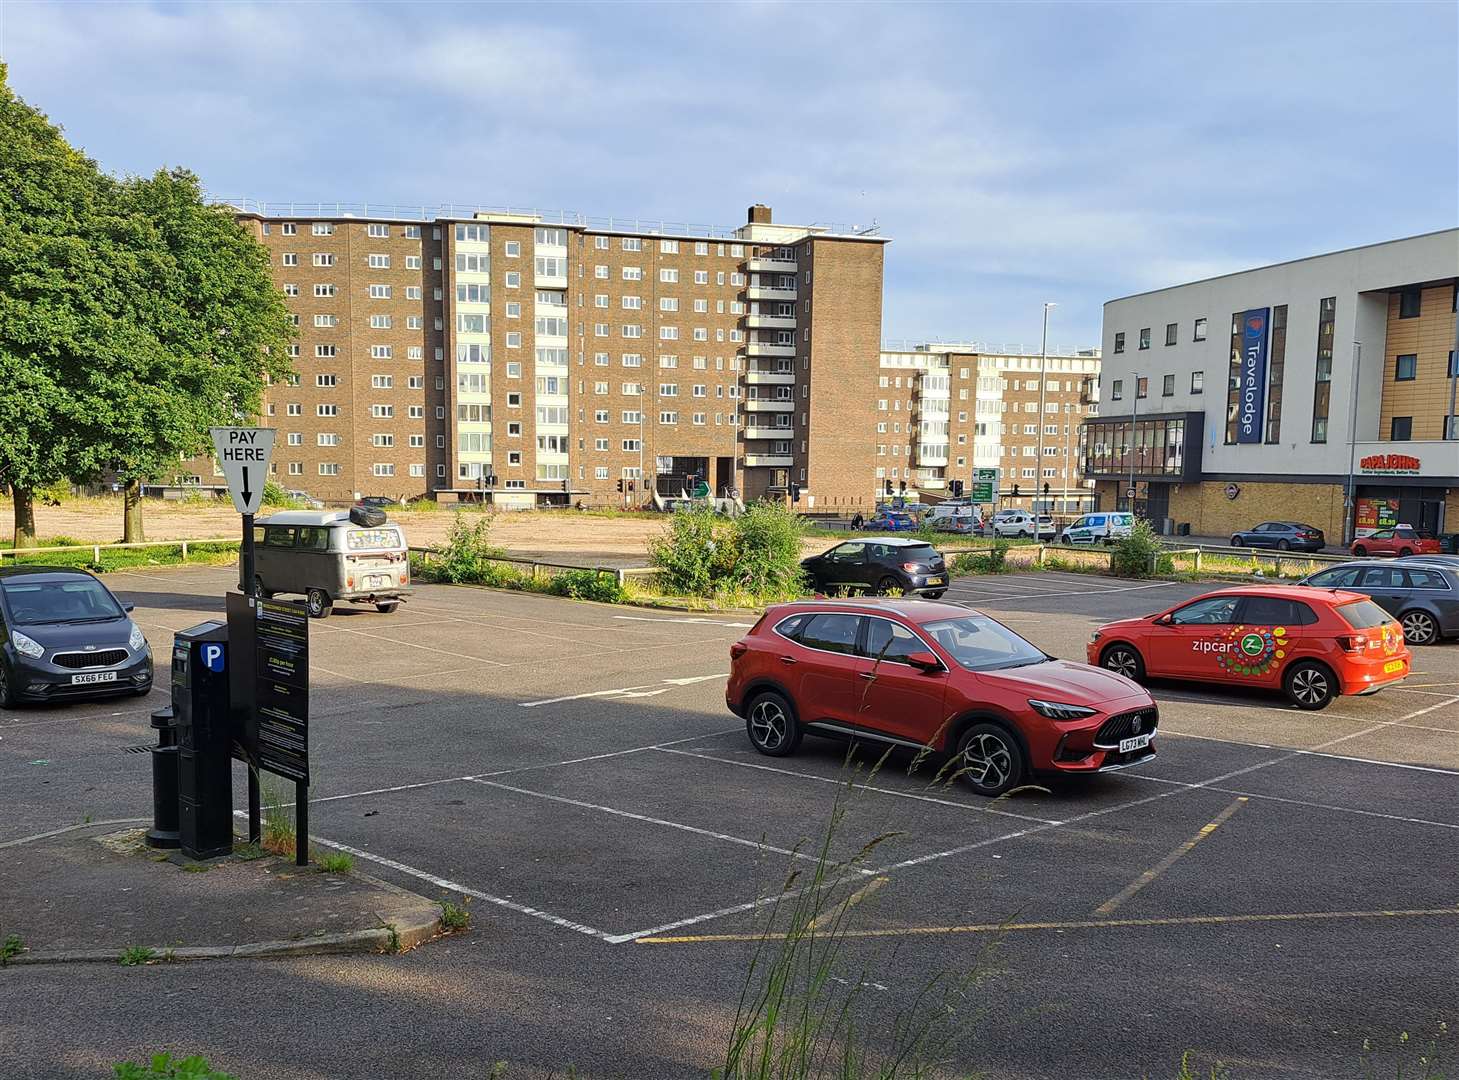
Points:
(851, 901)
(1085, 924)
(1170, 860)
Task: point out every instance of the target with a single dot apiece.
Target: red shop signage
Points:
(1405, 463)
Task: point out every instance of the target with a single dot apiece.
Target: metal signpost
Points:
(243, 454)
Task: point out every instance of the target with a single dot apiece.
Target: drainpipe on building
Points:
(1350, 520)
(1134, 443)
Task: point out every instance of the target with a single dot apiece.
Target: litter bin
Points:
(1185, 528)
(164, 832)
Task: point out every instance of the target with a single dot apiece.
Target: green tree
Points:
(208, 327)
(133, 317)
(55, 222)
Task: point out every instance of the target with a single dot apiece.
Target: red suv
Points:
(1313, 644)
(920, 674)
(1400, 541)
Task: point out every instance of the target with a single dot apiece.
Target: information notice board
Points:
(270, 684)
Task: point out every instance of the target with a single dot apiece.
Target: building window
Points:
(1117, 390)
(1167, 387)
(1276, 367)
(1405, 367)
(1145, 338)
(1200, 334)
(1142, 387)
(1172, 333)
(1120, 342)
(1400, 428)
(514, 279)
(1322, 389)
(1198, 379)
(1409, 302)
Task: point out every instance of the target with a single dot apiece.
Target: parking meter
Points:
(200, 706)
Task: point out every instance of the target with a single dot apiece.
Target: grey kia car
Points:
(1421, 593)
(67, 636)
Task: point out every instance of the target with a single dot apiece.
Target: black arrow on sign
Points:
(247, 495)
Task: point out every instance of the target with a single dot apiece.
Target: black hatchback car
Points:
(65, 636)
(1282, 535)
(912, 566)
(1422, 596)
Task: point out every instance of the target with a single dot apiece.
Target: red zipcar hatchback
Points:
(920, 674)
(1312, 644)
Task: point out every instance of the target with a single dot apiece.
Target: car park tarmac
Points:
(1274, 888)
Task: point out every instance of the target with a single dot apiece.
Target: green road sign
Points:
(981, 492)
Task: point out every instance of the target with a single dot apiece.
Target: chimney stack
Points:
(759, 214)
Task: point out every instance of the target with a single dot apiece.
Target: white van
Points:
(1103, 528)
(354, 555)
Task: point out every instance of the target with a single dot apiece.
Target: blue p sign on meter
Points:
(214, 657)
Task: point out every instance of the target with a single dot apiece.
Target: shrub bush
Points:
(756, 554)
(586, 585)
(992, 561)
(467, 554)
(1140, 554)
(695, 553)
(273, 495)
(767, 548)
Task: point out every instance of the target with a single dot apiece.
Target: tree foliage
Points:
(133, 316)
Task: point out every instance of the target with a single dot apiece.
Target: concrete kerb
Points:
(399, 933)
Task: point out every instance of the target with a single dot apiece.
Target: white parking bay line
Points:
(860, 787)
(725, 837)
(466, 890)
(647, 690)
(683, 621)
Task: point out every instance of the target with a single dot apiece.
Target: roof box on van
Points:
(367, 515)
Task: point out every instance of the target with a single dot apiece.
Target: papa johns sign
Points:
(1390, 463)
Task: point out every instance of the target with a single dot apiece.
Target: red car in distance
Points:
(919, 673)
(1402, 540)
(1312, 644)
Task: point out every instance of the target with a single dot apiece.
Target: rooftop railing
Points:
(566, 218)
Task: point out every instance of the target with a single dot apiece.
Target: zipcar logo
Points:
(1212, 646)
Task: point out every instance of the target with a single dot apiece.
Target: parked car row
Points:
(934, 675)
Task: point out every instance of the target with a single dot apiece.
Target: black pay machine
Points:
(200, 706)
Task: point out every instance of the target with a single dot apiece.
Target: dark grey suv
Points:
(1422, 595)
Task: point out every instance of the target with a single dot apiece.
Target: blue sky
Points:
(1015, 153)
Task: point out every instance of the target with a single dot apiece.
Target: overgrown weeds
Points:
(10, 948)
(992, 561)
(335, 862)
(165, 1065)
(454, 916)
(279, 834)
(136, 955)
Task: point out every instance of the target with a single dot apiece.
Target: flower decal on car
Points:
(1252, 650)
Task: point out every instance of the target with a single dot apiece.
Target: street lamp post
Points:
(1043, 372)
(1350, 521)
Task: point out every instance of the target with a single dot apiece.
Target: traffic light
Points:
(795, 493)
(1015, 491)
(904, 487)
(491, 480)
(565, 487)
(1046, 489)
(620, 483)
(631, 486)
(889, 487)
(957, 489)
